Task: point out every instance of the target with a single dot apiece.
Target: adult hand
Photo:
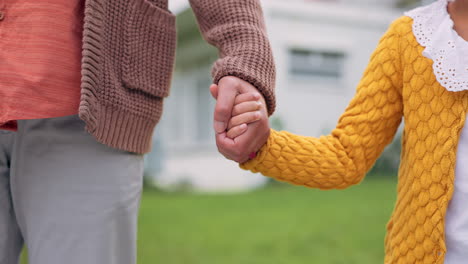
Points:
(239, 148)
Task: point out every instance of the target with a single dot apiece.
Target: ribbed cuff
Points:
(263, 80)
(254, 164)
(121, 129)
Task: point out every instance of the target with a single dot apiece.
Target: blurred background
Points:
(199, 208)
(321, 49)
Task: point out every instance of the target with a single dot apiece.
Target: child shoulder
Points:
(404, 24)
(400, 28)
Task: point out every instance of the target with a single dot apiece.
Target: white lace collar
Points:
(433, 29)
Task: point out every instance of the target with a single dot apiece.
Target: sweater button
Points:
(2, 15)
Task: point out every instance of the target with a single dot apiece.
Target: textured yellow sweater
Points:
(398, 83)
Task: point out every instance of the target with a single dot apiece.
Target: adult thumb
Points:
(214, 91)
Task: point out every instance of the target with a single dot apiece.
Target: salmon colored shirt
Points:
(40, 59)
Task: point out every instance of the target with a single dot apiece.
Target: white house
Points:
(321, 49)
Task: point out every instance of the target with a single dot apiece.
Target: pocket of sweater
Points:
(150, 43)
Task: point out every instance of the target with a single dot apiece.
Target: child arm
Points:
(369, 124)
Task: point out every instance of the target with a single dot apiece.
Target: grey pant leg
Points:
(76, 200)
(11, 240)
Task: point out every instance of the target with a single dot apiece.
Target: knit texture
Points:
(399, 82)
(240, 35)
(128, 59)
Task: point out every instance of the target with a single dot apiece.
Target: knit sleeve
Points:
(369, 124)
(237, 29)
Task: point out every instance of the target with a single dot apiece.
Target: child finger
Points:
(245, 118)
(245, 97)
(237, 131)
(245, 107)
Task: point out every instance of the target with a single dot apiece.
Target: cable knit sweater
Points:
(399, 82)
(128, 57)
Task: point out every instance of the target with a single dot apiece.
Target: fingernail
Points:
(256, 96)
(219, 126)
(258, 115)
(243, 126)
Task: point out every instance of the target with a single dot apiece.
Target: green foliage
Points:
(277, 123)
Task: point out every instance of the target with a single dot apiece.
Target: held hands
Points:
(247, 109)
(240, 120)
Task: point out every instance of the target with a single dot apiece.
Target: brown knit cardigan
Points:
(128, 57)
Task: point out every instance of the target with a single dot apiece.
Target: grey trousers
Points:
(69, 198)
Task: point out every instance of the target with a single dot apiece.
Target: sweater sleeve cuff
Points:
(255, 165)
(262, 78)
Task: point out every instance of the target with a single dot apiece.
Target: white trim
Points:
(433, 29)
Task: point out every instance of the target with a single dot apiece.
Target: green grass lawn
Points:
(275, 225)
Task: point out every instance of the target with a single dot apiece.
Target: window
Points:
(311, 64)
(188, 113)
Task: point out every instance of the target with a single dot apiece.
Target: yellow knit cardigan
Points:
(399, 82)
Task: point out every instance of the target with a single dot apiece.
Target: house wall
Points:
(312, 106)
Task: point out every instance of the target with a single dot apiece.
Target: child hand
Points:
(246, 110)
